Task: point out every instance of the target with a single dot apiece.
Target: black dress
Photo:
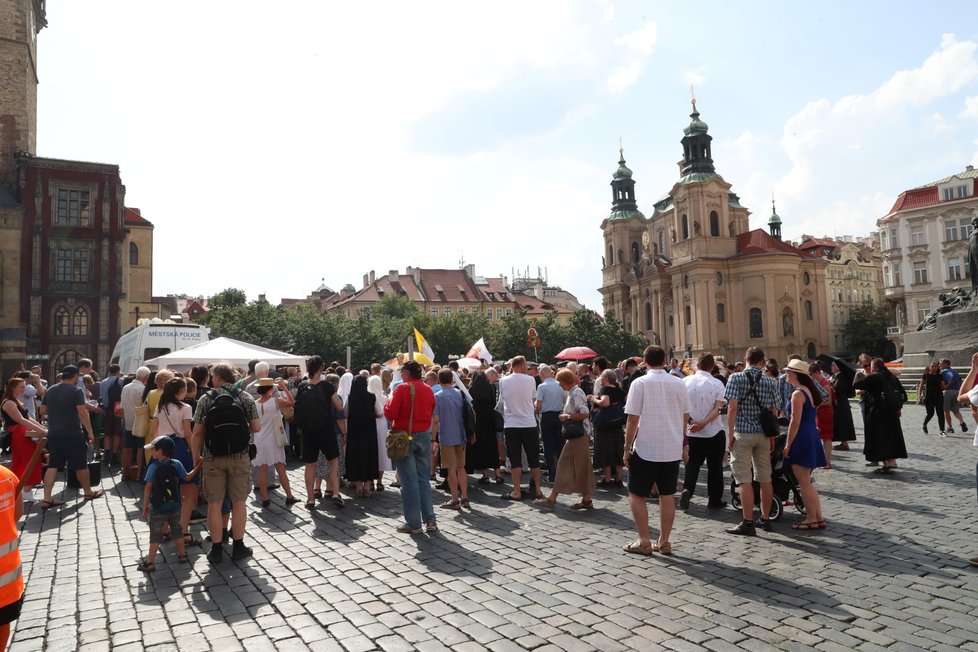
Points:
(884, 435)
(842, 426)
(485, 452)
(609, 443)
(361, 427)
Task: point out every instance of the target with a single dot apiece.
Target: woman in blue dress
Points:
(804, 450)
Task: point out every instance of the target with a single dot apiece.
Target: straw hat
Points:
(799, 367)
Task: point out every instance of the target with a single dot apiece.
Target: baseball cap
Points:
(69, 371)
(163, 442)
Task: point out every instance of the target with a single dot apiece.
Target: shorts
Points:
(129, 441)
(951, 400)
(452, 457)
(68, 452)
(229, 474)
(156, 521)
(527, 439)
(642, 474)
(11, 612)
(110, 425)
(751, 448)
(316, 442)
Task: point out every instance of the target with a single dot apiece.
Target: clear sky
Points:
(274, 144)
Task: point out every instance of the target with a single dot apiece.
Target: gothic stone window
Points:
(756, 323)
(73, 208)
(71, 322)
(62, 321)
(79, 321)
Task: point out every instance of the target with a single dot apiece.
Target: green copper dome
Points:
(622, 172)
(696, 126)
(775, 218)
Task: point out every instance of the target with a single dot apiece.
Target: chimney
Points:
(470, 270)
(392, 275)
(365, 277)
(372, 277)
(967, 169)
(416, 273)
(538, 291)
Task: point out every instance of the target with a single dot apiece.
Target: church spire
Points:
(623, 203)
(696, 145)
(774, 222)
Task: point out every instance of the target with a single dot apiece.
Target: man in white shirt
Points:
(707, 440)
(518, 392)
(658, 410)
(132, 397)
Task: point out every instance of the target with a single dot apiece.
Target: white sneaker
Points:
(29, 496)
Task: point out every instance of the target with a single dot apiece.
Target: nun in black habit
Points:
(843, 374)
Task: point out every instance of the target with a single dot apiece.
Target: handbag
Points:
(573, 429)
(769, 423)
(398, 441)
(141, 425)
(612, 416)
(288, 413)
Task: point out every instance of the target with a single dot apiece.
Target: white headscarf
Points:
(461, 387)
(346, 382)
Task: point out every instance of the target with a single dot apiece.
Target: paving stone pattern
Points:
(889, 572)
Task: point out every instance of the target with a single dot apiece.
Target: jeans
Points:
(553, 441)
(415, 470)
(710, 449)
(935, 406)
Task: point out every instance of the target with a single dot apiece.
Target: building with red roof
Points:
(924, 243)
(694, 277)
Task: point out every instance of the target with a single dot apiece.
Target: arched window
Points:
(756, 323)
(635, 252)
(809, 312)
(648, 316)
(685, 227)
(714, 224)
(611, 255)
(68, 357)
(721, 313)
(689, 315)
(62, 322)
(79, 321)
(811, 351)
(133, 254)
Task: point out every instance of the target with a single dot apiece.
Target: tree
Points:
(227, 298)
(865, 332)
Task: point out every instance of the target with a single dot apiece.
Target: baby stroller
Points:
(785, 484)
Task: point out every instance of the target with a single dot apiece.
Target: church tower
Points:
(625, 238)
(774, 222)
(20, 22)
(697, 157)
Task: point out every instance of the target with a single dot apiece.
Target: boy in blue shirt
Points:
(161, 499)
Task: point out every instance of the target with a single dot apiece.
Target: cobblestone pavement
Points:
(889, 572)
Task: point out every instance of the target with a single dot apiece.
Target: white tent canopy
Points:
(224, 349)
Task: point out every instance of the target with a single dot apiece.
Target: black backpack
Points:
(226, 428)
(312, 410)
(166, 488)
(114, 394)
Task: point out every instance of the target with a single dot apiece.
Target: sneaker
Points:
(943, 434)
(744, 529)
(338, 501)
(720, 505)
(216, 554)
(430, 527)
(765, 524)
(197, 517)
(964, 428)
(407, 529)
(684, 499)
(239, 551)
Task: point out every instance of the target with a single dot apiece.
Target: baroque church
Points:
(693, 277)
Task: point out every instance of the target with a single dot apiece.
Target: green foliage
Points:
(377, 335)
(865, 332)
(228, 298)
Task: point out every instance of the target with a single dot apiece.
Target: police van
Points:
(152, 338)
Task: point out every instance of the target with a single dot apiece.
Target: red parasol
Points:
(576, 353)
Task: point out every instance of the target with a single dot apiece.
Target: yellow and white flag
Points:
(423, 346)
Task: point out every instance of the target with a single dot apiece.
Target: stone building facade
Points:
(694, 277)
(65, 236)
(924, 242)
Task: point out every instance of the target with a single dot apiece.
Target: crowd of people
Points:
(216, 432)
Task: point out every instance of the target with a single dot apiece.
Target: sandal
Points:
(146, 566)
(883, 470)
(396, 484)
(380, 487)
(806, 525)
(48, 504)
(606, 482)
(183, 559)
(499, 479)
(662, 548)
(466, 504)
(584, 504)
(511, 497)
(191, 540)
(545, 502)
(638, 548)
(311, 506)
(265, 503)
(317, 494)
(94, 495)
(484, 480)
(821, 525)
(291, 500)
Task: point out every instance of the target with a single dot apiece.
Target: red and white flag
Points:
(480, 351)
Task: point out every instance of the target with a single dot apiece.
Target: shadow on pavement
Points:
(440, 552)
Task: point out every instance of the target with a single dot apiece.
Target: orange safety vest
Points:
(11, 572)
